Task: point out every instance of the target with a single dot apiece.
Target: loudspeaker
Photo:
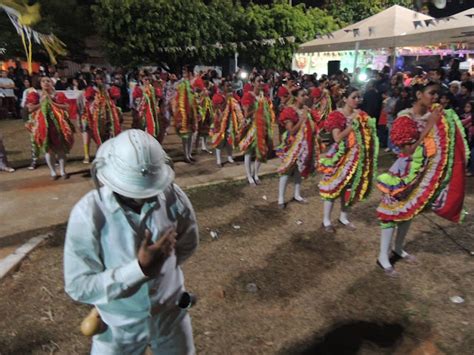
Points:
(333, 67)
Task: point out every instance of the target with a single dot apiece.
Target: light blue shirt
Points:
(100, 254)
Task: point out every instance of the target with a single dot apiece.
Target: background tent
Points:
(456, 29)
(383, 30)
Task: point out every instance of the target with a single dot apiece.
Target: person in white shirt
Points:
(7, 94)
(25, 116)
(125, 242)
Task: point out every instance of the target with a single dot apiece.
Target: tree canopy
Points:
(153, 31)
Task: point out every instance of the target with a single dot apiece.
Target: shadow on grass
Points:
(282, 275)
(221, 195)
(252, 221)
(347, 338)
(28, 342)
(56, 232)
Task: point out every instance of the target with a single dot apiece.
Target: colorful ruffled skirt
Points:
(299, 152)
(51, 128)
(101, 119)
(434, 176)
(350, 166)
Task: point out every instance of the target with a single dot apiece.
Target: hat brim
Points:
(149, 186)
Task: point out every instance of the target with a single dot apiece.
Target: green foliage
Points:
(352, 11)
(184, 31)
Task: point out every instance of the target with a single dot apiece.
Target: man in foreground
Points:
(124, 244)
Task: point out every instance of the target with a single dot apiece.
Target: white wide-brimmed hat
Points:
(134, 165)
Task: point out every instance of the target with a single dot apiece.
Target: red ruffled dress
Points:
(351, 164)
(299, 151)
(148, 110)
(256, 134)
(49, 125)
(433, 176)
(101, 116)
(226, 123)
(184, 110)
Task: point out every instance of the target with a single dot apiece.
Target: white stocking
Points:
(50, 161)
(344, 217)
(230, 159)
(327, 209)
(190, 146)
(218, 156)
(62, 163)
(385, 243)
(248, 167)
(402, 230)
(283, 183)
(257, 168)
(298, 180)
(185, 148)
(203, 144)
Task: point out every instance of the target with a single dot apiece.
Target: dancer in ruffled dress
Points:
(49, 124)
(429, 172)
(350, 165)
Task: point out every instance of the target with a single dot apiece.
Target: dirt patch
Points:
(312, 293)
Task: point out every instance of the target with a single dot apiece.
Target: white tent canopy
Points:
(458, 28)
(383, 30)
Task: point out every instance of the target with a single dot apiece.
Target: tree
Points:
(153, 31)
(281, 21)
(352, 11)
(150, 31)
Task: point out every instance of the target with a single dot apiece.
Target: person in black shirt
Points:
(61, 84)
(454, 73)
(372, 101)
(464, 97)
(403, 101)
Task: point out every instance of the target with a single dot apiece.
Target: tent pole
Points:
(356, 55)
(394, 59)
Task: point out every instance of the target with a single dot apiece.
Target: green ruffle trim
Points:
(361, 166)
(415, 166)
(341, 149)
(360, 162)
(451, 115)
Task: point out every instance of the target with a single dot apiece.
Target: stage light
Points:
(362, 77)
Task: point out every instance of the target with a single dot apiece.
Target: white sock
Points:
(62, 163)
(385, 243)
(184, 141)
(402, 231)
(257, 168)
(297, 194)
(218, 156)
(327, 209)
(248, 168)
(230, 159)
(344, 217)
(50, 160)
(203, 144)
(283, 183)
(190, 147)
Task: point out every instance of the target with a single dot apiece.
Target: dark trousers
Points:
(8, 107)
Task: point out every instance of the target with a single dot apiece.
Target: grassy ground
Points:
(316, 293)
